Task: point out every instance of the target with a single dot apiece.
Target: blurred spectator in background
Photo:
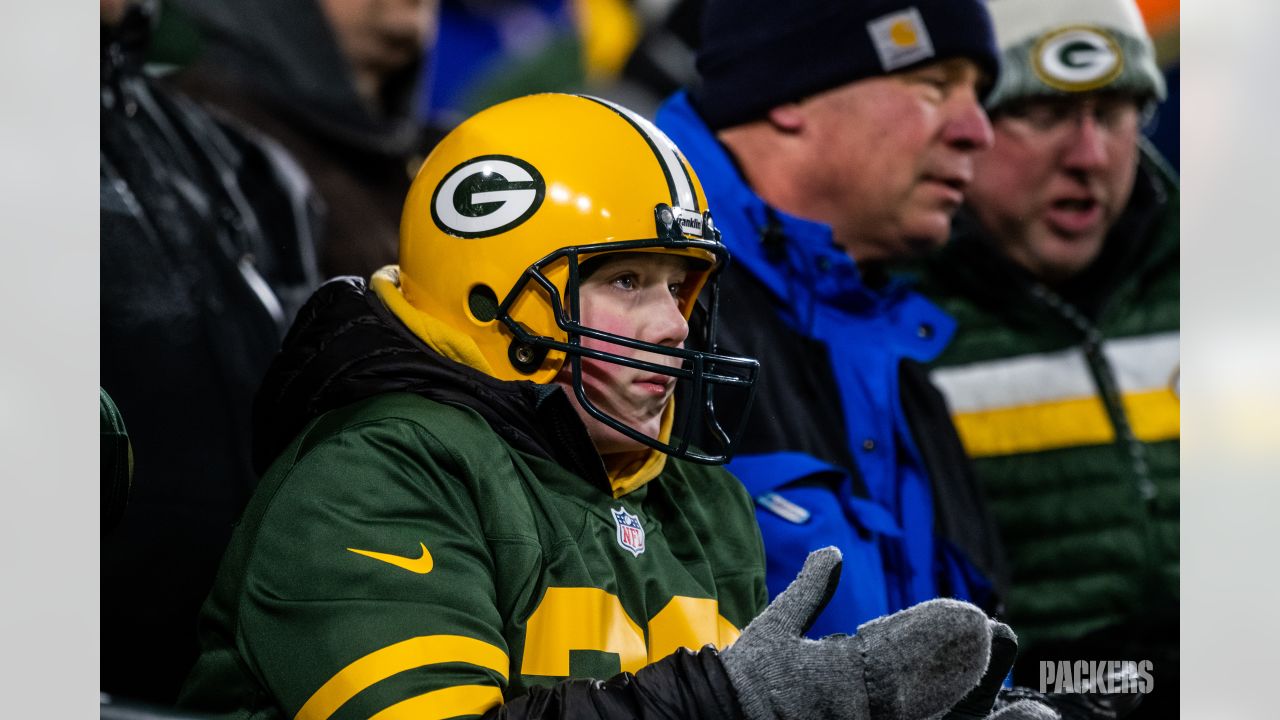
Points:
(635, 52)
(206, 254)
(663, 60)
(333, 81)
(1063, 275)
(831, 136)
(488, 51)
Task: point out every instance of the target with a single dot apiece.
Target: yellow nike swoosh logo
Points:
(421, 565)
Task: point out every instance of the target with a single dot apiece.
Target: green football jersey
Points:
(399, 557)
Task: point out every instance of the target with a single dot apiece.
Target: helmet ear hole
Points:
(482, 301)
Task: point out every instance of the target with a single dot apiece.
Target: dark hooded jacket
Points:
(377, 441)
(206, 239)
(277, 66)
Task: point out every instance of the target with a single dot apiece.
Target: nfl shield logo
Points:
(630, 534)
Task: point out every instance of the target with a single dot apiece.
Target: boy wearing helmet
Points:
(480, 488)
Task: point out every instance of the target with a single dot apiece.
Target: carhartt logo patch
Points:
(1077, 59)
(900, 39)
(420, 565)
(630, 534)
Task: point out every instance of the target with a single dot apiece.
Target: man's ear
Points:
(788, 118)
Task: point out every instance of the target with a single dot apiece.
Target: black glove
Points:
(910, 665)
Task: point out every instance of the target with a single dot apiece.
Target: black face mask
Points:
(702, 372)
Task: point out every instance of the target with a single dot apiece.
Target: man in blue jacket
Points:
(832, 136)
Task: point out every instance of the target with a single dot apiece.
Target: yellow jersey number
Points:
(592, 619)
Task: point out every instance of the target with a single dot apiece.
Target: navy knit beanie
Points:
(758, 54)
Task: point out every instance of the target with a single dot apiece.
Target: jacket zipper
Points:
(1104, 376)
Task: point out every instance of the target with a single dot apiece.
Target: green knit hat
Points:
(1060, 47)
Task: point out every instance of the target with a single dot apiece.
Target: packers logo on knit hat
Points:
(1077, 59)
(900, 39)
(1052, 47)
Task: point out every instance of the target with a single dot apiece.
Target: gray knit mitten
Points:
(907, 666)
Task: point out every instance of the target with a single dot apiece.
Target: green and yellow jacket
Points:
(430, 543)
(1067, 400)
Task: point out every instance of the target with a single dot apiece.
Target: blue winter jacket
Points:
(831, 455)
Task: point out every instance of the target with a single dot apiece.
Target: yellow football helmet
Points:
(508, 206)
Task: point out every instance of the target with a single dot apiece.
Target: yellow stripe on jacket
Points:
(406, 655)
(1047, 401)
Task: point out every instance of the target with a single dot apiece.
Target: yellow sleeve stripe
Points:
(446, 703)
(406, 655)
(1154, 416)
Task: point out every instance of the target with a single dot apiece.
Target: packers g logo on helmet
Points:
(487, 195)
